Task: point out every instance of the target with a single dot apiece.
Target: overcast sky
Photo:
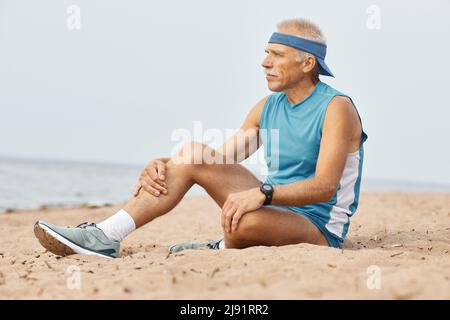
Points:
(116, 89)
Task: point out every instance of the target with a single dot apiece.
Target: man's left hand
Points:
(238, 204)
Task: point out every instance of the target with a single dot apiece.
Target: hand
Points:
(238, 204)
(152, 179)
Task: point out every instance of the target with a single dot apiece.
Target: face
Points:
(282, 69)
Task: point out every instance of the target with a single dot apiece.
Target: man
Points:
(315, 165)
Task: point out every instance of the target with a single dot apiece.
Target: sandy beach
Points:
(404, 238)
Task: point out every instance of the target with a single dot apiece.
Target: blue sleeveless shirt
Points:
(291, 153)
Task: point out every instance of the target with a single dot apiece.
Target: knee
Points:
(245, 232)
(190, 153)
(187, 160)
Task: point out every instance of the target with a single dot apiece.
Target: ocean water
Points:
(27, 184)
(31, 183)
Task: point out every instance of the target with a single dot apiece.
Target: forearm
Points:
(240, 146)
(303, 192)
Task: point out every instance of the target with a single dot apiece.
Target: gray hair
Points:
(305, 29)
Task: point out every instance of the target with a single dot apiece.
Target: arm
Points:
(336, 138)
(246, 140)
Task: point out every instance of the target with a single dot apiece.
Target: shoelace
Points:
(84, 225)
(214, 245)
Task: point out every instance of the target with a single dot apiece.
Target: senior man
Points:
(315, 165)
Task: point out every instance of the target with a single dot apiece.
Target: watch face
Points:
(266, 187)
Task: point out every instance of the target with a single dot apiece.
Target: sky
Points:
(117, 88)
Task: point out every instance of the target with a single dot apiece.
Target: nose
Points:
(267, 63)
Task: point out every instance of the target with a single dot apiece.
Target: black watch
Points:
(267, 189)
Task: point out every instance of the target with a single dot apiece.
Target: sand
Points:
(398, 248)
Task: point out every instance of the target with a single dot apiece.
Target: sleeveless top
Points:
(292, 149)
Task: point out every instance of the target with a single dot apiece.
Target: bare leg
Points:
(266, 226)
(219, 180)
(145, 207)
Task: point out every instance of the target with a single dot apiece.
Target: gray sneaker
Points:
(86, 238)
(213, 245)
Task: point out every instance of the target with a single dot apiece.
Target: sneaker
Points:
(86, 238)
(213, 245)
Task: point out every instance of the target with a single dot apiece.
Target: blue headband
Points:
(318, 49)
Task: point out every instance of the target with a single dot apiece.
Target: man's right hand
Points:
(152, 179)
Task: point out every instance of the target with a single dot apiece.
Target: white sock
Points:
(118, 226)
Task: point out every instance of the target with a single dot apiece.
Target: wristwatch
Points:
(267, 189)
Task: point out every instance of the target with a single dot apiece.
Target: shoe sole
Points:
(57, 244)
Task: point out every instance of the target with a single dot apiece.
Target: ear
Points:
(309, 64)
